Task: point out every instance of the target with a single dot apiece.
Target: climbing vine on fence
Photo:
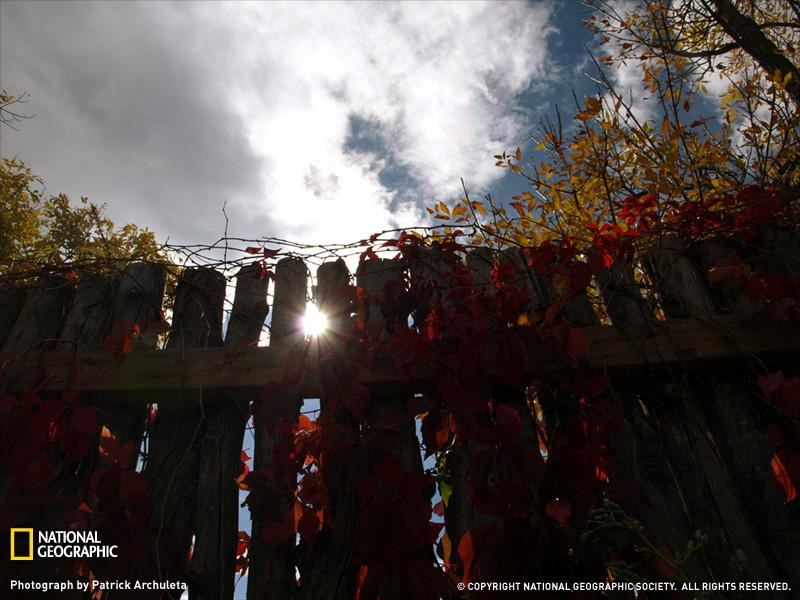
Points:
(530, 451)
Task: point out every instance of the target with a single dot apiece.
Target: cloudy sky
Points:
(313, 122)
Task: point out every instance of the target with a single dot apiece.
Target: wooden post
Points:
(41, 317)
(173, 461)
(460, 514)
(386, 411)
(641, 457)
(327, 571)
(728, 294)
(272, 567)
(705, 479)
(211, 572)
(528, 280)
(623, 299)
(38, 322)
(387, 417)
(779, 247)
(86, 325)
(12, 297)
(679, 283)
(89, 318)
(738, 419)
(139, 298)
(480, 261)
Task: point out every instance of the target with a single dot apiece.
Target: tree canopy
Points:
(38, 230)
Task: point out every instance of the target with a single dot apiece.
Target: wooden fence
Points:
(692, 439)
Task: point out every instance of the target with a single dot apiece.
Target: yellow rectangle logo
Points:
(20, 531)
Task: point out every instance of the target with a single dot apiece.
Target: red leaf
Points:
(313, 491)
(269, 253)
(356, 400)
(467, 554)
(435, 430)
(110, 451)
(243, 543)
(120, 340)
(305, 424)
(577, 343)
(663, 568)
(368, 254)
(157, 327)
(787, 399)
(252, 250)
(75, 444)
(596, 261)
(277, 532)
(84, 420)
(559, 509)
(508, 423)
(770, 383)
(784, 464)
(438, 508)
(307, 526)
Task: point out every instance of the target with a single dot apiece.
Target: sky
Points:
(317, 123)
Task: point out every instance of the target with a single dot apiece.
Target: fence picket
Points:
(272, 569)
(139, 299)
(173, 462)
(12, 297)
(211, 572)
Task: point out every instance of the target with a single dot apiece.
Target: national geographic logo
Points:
(21, 544)
(58, 544)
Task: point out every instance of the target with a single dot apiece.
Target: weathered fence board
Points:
(272, 570)
(211, 572)
(140, 295)
(172, 463)
(42, 315)
(327, 570)
(12, 297)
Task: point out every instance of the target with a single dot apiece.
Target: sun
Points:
(314, 322)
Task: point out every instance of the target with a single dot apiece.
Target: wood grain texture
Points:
(211, 572)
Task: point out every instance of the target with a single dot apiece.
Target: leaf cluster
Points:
(36, 230)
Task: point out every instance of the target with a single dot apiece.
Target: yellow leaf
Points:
(447, 548)
(518, 154)
(593, 107)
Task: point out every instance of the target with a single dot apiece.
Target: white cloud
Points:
(438, 80)
(168, 109)
(627, 78)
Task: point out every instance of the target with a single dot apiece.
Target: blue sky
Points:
(312, 122)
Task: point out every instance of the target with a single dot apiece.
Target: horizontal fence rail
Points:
(701, 344)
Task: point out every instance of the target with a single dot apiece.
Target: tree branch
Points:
(749, 35)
